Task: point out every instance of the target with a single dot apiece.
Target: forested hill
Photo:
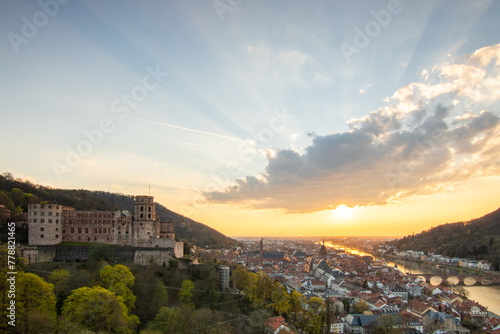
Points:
(475, 239)
(16, 194)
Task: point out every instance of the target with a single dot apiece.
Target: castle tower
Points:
(144, 208)
(145, 224)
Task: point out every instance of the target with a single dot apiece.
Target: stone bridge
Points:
(468, 280)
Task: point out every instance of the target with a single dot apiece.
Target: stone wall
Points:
(121, 254)
(158, 256)
(35, 254)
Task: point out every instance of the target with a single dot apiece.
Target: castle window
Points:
(57, 214)
(149, 215)
(57, 236)
(41, 229)
(57, 221)
(34, 220)
(42, 220)
(79, 230)
(142, 215)
(119, 237)
(142, 208)
(64, 231)
(72, 230)
(86, 230)
(50, 206)
(149, 209)
(100, 230)
(50, 220)
(57, 229)
(95, 230)
(42, 213)
(50, 213)
(41, 236)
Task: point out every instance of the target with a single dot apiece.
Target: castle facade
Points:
(51, 224)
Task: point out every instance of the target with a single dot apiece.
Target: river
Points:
(488, 296)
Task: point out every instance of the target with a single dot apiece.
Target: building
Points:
(337, 325)
(224, 275)
(45, 223)
(357, 323)
(414, 289)
(277, 325)
(51, 224)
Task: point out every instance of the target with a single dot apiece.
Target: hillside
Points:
(476, 239)
(16, 194)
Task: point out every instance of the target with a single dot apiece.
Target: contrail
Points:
(185, 142)
(186, 129)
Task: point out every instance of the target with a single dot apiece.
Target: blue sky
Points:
(229, 71)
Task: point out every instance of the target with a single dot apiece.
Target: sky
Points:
(260, 118)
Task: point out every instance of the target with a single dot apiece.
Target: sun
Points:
(343, 212)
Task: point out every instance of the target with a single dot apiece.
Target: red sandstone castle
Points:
(50, 224)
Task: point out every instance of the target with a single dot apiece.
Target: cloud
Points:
(431, 136)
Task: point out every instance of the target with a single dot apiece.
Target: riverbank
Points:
(479, 272)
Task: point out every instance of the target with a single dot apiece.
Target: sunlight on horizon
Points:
(343, 212)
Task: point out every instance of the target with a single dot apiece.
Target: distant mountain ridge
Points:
(16, 194)
(475, 239)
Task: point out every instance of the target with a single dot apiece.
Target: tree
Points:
(99, 252)
(151, 295)
(119, 279)
(295, 308)
(168, 320)
(361, 306)
(59, 278)
(482, 250)
(36, 304)
(185, 294)
(460, 290)
(98, 309)
(315, 316)
(280, 299)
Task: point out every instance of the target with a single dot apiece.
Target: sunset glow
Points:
(343, 212)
